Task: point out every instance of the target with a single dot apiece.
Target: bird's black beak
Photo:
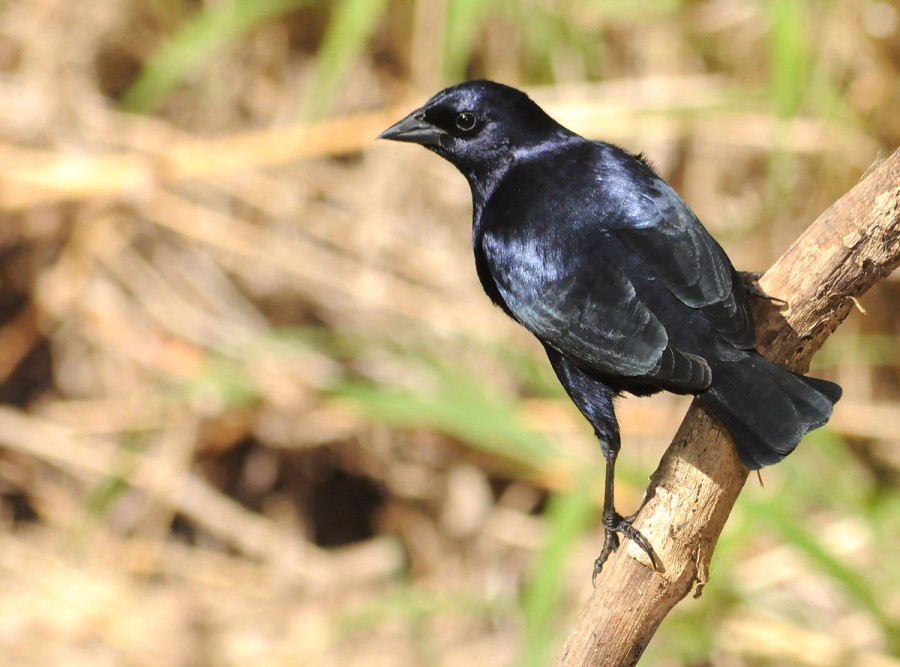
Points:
(414, 129)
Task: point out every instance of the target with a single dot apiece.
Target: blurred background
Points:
(255, 407)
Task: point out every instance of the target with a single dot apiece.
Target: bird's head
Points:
(478, 126)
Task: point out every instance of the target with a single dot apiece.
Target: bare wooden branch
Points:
(849, 248)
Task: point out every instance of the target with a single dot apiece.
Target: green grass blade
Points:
(106, 492)
(457, 406)
(462, 21)
(194, 43)
(349, 30)
(457, 402)
(788, 59)
(568, 517)
(847, 576)
(846, 488)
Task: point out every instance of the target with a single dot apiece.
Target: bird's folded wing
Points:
(676, 249)
(595, 318)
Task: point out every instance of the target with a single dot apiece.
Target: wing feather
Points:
(665, 234)
(593, 315)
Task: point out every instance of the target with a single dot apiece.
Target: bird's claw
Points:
(750, 281)
(613, 524)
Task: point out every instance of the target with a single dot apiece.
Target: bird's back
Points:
(597, 219)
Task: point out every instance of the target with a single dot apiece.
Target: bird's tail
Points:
(767, 409)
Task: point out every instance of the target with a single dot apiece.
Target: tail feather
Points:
(767, 409)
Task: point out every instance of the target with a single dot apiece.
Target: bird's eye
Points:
(465, 120)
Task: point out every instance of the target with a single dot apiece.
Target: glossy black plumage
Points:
(584, 245)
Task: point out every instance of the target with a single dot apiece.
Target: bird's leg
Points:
(595, 401)
(614, 523)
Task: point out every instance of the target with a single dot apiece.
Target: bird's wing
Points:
(678, 251)
(591, 313)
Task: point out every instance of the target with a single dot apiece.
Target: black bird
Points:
(584, 245)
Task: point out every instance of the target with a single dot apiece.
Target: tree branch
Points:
(850, 247)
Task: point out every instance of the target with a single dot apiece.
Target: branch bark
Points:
(849, 248)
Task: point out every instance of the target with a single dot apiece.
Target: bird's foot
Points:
(750, 281)
(613, 524)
